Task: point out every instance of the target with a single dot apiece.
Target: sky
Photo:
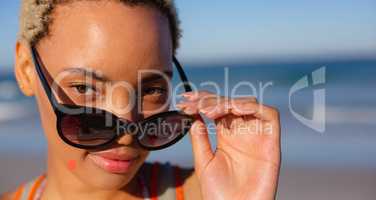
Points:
(254, 30)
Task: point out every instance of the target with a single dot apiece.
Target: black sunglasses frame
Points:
(59, 114)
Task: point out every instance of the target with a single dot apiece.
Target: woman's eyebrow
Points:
(147, 77)
(87, 72)
(152, 77)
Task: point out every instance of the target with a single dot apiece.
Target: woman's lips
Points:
(112, 162)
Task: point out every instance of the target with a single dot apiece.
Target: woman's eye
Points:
(154, 91)
(84, 89)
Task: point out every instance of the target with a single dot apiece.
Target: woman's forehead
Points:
(114, 39)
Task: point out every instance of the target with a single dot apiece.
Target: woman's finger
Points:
(226, 107)
(260, 111)
(203, 99)
(240, 107)
(215, 107)
(195, 95)
(202, 151)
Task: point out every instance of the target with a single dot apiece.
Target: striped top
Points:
(165, 183)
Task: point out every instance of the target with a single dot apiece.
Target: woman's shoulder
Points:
(7, 195)
(24, 190)
(164, 180)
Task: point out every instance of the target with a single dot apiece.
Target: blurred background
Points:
(256, 41)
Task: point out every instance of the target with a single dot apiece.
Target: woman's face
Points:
(96, 51)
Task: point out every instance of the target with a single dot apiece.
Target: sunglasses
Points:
(90, 128)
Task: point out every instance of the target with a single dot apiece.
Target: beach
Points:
(336, 164)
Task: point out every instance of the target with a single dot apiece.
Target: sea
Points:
(327, 109)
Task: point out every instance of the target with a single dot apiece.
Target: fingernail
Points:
(186, 94)
(207, 110)
(180, 105)
(189, 111)
(191, 96)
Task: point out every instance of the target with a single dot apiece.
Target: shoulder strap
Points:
(28, 191)
(178, 183)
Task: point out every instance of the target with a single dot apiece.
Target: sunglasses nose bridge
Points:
(126, 127)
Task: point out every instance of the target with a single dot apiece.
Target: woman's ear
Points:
(23, 69)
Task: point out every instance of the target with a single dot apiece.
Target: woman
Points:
(111, 41)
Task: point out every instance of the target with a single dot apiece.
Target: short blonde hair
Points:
(35, 17)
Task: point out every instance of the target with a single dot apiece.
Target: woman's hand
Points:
(246, 160)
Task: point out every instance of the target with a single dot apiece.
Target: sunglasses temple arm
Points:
(183, 76)
(46, 86)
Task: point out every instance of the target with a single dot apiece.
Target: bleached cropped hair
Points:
(35, 17)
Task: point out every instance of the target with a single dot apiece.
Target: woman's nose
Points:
(126, 131)
(120, 101)
(126, 139)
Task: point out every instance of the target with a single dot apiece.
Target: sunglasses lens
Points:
(161, 131)
(88, 129)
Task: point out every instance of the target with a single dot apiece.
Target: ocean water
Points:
(349, 139)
